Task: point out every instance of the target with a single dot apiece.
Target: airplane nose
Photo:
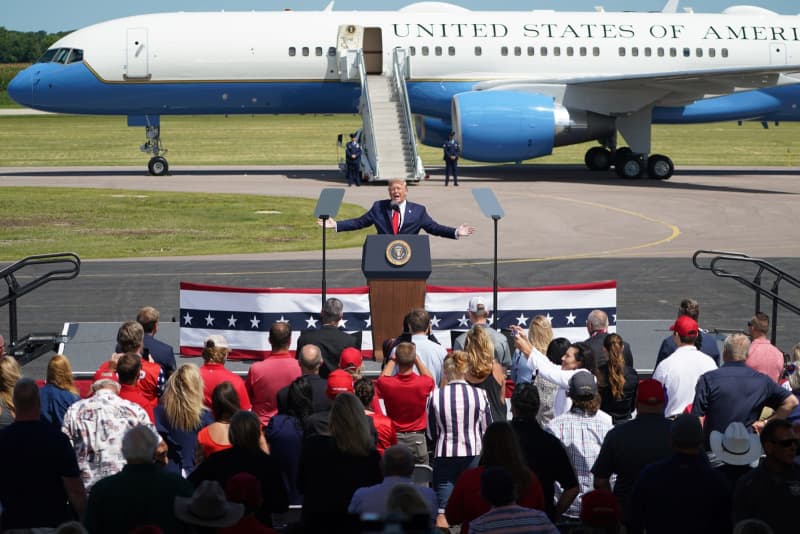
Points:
(20, 88)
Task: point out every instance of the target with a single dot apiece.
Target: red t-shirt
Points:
(266, 378)
(387, 436)
(466, 503)
(148, 378)
(214, 374)
(135, 395)
(405, 398)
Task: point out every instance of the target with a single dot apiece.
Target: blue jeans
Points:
(446, 471)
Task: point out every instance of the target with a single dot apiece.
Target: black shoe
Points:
(456, 184)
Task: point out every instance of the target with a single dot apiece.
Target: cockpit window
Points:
(47, 57)
(62, 55)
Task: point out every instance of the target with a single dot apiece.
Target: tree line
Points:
(25, 47)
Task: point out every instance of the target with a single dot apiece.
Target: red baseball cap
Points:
(685, 326)
(339, 382)
(350, 357)
(599, 508)
(650, 392)
(245, 489)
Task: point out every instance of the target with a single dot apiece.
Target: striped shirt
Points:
(512, 520)
(458, 415)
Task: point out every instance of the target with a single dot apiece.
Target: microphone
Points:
(395, 205)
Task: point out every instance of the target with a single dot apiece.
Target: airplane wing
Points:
(621, 94)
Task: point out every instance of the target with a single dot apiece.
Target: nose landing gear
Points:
(157, 166)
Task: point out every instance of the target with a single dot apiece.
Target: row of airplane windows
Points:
(635, 51)
(62, 55)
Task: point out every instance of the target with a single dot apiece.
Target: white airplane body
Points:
(511, 84)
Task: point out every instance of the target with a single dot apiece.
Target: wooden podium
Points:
(397, 269)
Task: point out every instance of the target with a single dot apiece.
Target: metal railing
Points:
(399, 73)
(368, 131)
(717, 261)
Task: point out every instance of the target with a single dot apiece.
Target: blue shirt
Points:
(54, 402)
(374, 499)
(734, 392)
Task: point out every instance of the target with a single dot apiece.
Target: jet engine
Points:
(499, 126)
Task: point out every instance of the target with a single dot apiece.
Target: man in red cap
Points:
(679, 372)
(351, 361)
(339, 382)
(628, 448)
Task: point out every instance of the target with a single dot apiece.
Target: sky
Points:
(60, 15)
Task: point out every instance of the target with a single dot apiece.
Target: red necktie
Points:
(395, 221)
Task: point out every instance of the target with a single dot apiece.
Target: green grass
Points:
(310, 140)
(115, 224)
(7, 72)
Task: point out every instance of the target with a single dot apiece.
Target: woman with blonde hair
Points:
(346, 460)
(180, 415)
(59, 393)
(484, 371)
(213, 371)
(540, 334)
(616, 382)
(9, 374)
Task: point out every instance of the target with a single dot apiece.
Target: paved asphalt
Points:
(562, 225)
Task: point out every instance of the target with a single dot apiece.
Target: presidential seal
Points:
(398, 252)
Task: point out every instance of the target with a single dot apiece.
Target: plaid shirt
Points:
(582, 435)
(95, 426)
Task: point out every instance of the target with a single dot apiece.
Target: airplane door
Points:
(373, 50)
(349, 40)
(137, 67)
(777, 53)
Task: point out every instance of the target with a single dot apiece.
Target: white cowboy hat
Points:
(736, 446)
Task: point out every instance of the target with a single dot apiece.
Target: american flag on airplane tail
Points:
(244, 315)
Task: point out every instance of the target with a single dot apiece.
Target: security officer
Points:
(451, 150)
(353, 155)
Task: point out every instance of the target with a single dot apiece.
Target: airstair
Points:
(387, 135)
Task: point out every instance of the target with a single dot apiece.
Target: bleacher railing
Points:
(765, 281)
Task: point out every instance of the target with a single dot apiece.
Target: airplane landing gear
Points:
(629, 165)
(598, 158)
(157, 166)
(659, 167)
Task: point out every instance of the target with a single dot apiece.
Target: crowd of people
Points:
(525, 433)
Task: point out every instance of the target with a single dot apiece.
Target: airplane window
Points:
(647, 51)
(425, 51)
(556, 50)
(724, 52)
(48, 55)
(596, 51)
(61, 55)
(660, 52)
(543, 51)
(331, 51)
(673, 52)
(412, 50)
(570, 51)
(712, 52)
(451, 50)
(76, 56)
(305, 51)
(503, 50)
(582, 50)
(699, 52)
(517, 51)
(292, 51)
(622, 51)
(478, 51)
(531, 50)
(635, 51)
(318, 51)
(438, 50)
(687, 52)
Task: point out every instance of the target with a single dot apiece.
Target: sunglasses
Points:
(785, 442)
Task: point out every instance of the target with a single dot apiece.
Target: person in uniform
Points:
(353, 155)
(451, 151)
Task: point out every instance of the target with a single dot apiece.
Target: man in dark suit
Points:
(329, 338)
(353, 155)
(398, 216)
(451, 152)
(160, 352)
(597, 326)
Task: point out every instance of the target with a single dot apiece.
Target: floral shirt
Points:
(95, 426)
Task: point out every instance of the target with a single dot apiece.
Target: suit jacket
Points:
(596, 344)
(331, 342)
(414, 219)
(161, 352)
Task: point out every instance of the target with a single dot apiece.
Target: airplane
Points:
(511, 85)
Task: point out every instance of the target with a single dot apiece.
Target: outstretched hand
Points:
(328, 223)
(464, 230)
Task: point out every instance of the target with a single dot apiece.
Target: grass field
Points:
(97, 223)
(310, 139)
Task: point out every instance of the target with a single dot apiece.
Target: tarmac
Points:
(562, 224)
